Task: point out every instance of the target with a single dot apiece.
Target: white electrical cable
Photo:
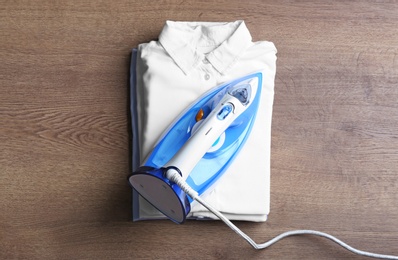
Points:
(175, 177)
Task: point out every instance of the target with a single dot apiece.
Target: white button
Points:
(205, 61)
(207, 77)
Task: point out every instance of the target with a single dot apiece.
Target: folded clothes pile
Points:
(168, 75)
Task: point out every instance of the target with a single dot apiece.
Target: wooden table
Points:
(65, 131)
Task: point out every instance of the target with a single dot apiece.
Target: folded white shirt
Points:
(189, 59)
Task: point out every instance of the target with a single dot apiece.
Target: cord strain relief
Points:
(184, 186)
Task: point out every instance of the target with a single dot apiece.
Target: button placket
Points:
(205, 68)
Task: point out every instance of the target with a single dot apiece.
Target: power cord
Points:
(176, 178)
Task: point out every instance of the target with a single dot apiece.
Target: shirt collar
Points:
(181, 41)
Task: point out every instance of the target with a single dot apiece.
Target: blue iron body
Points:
(149, 179)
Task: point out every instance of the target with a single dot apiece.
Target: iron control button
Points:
(225, 111)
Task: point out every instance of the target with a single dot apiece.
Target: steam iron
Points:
(199, 145)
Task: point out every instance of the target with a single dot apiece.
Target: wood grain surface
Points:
(65, 130)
